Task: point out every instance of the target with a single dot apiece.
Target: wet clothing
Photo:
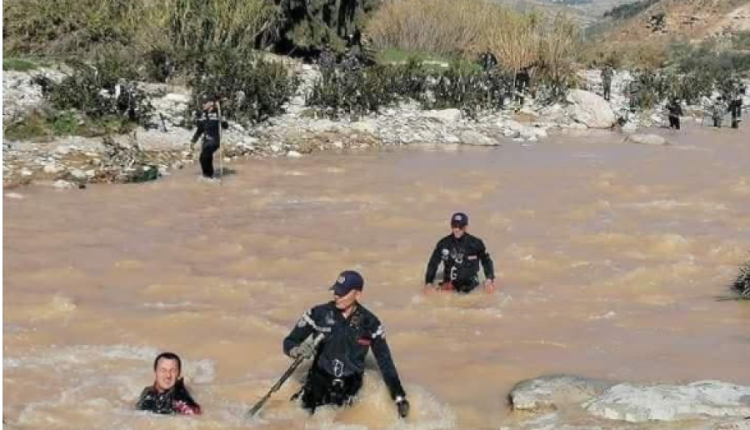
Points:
(607, 74)
(675, 111)
(339, 364)
(208, 127)
(460, 258)
(174, 401)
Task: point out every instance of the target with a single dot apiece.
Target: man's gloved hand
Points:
(305, 350)
(403, 407)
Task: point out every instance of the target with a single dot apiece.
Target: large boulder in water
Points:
(590, 109)
(554, 392)
(702, 399)
(647, 139)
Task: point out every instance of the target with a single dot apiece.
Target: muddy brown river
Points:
(612, 262)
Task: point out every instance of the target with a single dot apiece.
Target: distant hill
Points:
(585, 12)
(682, 19)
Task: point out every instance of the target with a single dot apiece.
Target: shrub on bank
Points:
(741, 285)
(251, 88)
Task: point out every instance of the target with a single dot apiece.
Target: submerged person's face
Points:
(166, 374)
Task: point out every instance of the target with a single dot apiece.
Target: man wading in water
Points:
(460, 254)
(349, 330)
(208, 127)
(168, 394)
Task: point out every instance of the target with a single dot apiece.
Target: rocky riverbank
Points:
(576, 403)
(165, 144)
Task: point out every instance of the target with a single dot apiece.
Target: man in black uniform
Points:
(208, 127)
(349, 330)
(460, 254)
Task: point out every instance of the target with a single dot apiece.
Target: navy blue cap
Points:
(348, 280)
(459, 219)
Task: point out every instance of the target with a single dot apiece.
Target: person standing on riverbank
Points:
(674, 108)
(208, 126)
(460, 253)
(607, 74)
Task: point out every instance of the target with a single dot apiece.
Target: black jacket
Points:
(460, 258)
(208, 125)
(342, 351)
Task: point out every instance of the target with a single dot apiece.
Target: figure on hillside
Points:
(168, 394)
(460, 254)
(349, 330)
(488, 61)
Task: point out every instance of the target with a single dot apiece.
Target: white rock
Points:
(62, 185)
(552, 392)
(91, 173)
(630, 127)
(26, 172)
(471, 137)
(78, 174)
(293, 154)
(14, 196)
(62, 150)
(700, 399)
(647, 139)
(446, 116)
(365, 127)
(51, 169)
(590, 109)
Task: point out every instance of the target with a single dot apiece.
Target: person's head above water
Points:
(167, 370)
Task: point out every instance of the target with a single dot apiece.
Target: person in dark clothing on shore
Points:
(607, 74)
(675, 111)
(460, 254)
(349, 330)
(735, 107)
(523, 82)
(168, 394)
(208, 126)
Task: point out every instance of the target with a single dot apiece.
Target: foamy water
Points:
(611, 261)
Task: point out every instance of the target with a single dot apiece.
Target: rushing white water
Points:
(610, 259)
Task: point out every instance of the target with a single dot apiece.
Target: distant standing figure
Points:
(735, 108)
(607, 74)
(208, 127)
(675, 111)
(523, 81)
(718, 111)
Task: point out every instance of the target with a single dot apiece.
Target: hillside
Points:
(683, 20)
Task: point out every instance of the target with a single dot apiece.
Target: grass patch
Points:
(19, 65)
(33, 127)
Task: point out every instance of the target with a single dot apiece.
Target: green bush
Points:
(251, 88)
(99, 91)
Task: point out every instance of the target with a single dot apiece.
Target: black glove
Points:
(403, 407)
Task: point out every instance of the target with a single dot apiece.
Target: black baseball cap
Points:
(459, 219)
(347, 281)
